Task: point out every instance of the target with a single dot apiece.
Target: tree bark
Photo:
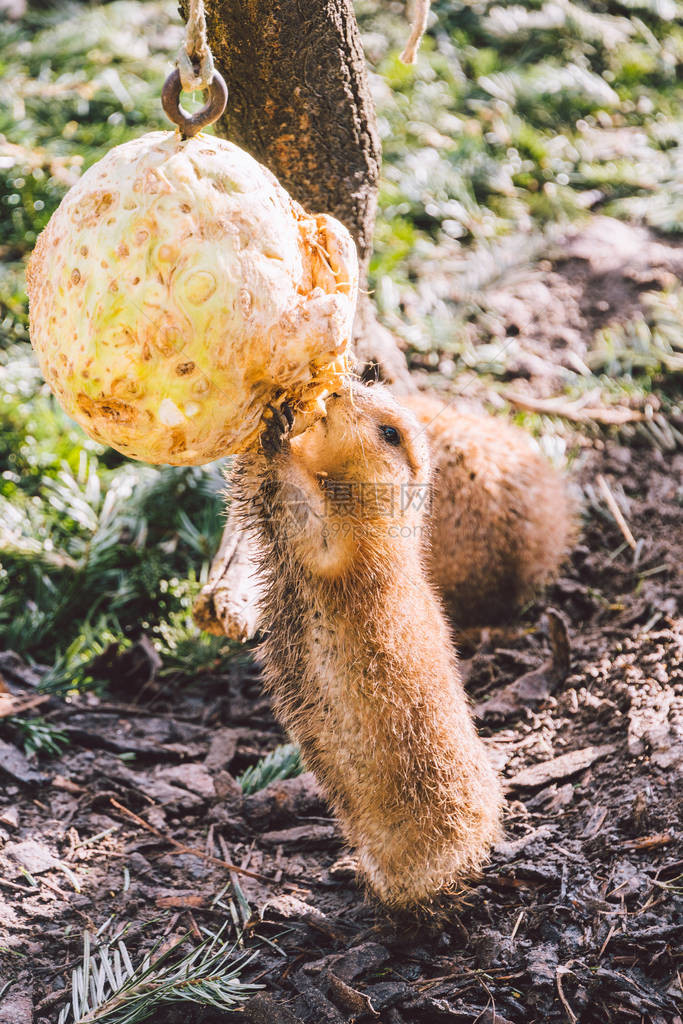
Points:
(300, 103)
(228, 602)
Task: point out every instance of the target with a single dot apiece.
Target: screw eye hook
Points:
(190, 124)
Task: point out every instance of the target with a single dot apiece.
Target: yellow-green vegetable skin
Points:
(178, 289)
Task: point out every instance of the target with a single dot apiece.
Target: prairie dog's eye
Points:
(390, 435)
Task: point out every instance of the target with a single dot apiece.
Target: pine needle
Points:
(38, 734)
(282, 763)
(107, 988)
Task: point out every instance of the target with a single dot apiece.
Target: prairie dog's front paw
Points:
(278, 422)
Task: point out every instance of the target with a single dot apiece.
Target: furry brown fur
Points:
(502, 519)
(357, 653)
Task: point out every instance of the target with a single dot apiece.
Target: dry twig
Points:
(574, 411)
(182, 848)
(11, 705)
(560, 971)
(611, 503)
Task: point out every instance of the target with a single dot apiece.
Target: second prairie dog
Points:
(502, 519)
(357, 653)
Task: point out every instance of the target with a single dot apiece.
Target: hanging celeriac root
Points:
(178, 290)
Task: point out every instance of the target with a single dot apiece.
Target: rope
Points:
(195, 63)
(418, 26)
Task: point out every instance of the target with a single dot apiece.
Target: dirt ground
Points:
(579, 915)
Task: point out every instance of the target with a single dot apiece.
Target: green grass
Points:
(515, 120)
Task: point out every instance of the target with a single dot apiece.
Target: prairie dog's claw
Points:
(278, 422)
(287, 413)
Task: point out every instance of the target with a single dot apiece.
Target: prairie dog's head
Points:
(365, 430)
(362, 475)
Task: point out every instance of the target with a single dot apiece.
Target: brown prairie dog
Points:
(502, 519)
(357, 653)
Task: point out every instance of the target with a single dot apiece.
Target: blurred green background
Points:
(516, 120)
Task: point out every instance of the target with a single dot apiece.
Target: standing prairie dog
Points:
(502, 519)
(357, 654)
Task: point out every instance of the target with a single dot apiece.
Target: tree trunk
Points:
(299, 101)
